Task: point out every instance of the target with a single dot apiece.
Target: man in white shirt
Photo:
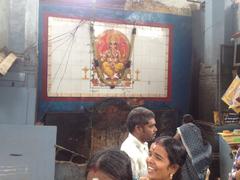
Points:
(142, 128)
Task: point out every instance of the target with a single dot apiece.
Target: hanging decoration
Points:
(232, 95)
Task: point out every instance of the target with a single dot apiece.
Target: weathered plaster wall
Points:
(197, 58)
(4, 6)
(31, 23)
(217, 29)
(177, 7)
(18, 33)
(230, 24)
(16, 22)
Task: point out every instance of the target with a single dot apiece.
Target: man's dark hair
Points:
(138, 116)
(113, 162)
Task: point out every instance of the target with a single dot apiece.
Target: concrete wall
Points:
(217, 31)
(214, 30)
(197, 58)
(230, 24)
(236, 17)
(4, 13)
(16, 38)
(18, 32)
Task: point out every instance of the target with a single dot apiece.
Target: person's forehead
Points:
(151, 121)
(98, 175)
(153, 146)
(159, 149)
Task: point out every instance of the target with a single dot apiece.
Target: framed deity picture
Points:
(86, 58)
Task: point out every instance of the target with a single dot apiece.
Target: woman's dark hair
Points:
(188, 118)
(138, 116)
(176, 152)
(113, 162)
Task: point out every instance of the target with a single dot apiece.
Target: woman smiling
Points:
(166, 157)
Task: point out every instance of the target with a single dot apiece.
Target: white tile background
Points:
(68, 55)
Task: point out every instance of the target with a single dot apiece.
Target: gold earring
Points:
(171, 176)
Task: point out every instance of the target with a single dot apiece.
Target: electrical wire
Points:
(69, 53)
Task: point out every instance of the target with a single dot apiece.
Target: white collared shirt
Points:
(138, 153)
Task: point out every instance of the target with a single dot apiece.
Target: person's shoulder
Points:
(130, 147)
(128, 144)
(188, 125)
(132, 152)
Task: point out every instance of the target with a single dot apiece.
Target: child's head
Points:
(109, 165)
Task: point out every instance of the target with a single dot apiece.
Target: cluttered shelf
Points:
(226, 155)
(229, 142)
(228, 139)
(226, 117)
(231, 137)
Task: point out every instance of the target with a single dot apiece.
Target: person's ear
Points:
(138, 128)
(174, 168)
